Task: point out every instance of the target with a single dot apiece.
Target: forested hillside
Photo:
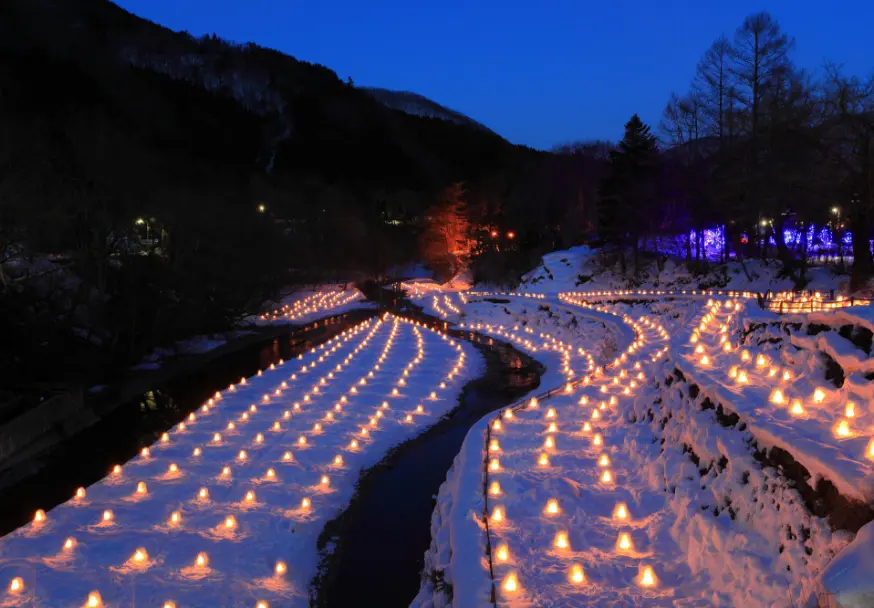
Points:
(154, 185)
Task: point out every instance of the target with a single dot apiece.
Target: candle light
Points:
(576, 575)
(503, 553)
(510, 583)
(552, 507)
(140, 556)
(623, 544)
(647, 577)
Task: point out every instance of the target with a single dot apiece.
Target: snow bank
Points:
(847, 581)
(302, 306)
(246, 483)
(581, 268)
(456, 570)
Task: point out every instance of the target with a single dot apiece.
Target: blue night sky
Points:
(538, 73)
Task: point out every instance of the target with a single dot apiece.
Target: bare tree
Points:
(760, 53)
(848, 106)
(713, 86)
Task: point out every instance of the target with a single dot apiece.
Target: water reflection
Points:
(382, 537)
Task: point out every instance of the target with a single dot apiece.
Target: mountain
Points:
(419, 105)
(154, 185)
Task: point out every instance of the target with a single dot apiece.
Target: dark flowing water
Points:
(87, 457)
(381, 539)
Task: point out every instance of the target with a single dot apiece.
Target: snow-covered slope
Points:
(419, 105)
(585, 269)
(732, 495)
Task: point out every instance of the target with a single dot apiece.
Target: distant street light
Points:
(835, 210)
(494, 234)
(262, 208)
(140, 221)
(511, 235)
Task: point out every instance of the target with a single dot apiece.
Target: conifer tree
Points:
(628, 194)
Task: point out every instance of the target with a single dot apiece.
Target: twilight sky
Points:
(538, 72)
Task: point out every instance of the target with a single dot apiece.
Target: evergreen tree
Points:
(628, 193)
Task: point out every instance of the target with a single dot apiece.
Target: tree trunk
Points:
(863, 268)
(688, 249)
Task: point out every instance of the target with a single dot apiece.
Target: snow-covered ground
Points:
(301, 306)
(694, 511)
(694, 450)
(226, 508)
(582, 268)
(781, 392)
